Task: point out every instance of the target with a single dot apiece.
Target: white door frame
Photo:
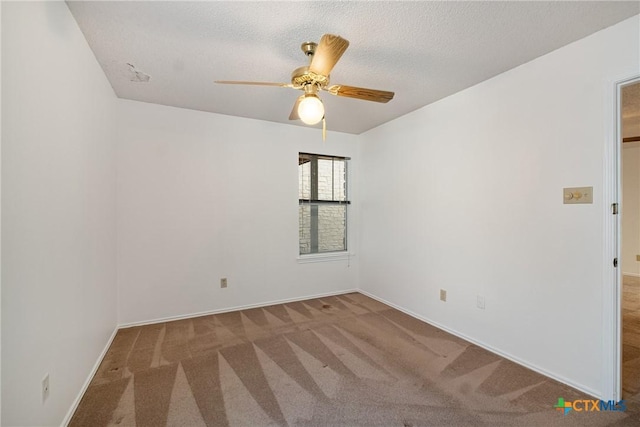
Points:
(612, 276)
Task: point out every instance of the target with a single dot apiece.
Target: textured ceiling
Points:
(423, 51)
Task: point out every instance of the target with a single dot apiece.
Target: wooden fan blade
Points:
(235, 82)
(361, 93)
(328, 52)
(294, 112)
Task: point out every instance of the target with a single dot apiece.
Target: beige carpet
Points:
(336, 361)
(630, 337)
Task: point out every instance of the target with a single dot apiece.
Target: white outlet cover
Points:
(45, 388)
(480, 302)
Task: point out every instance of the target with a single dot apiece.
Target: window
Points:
(322, 203)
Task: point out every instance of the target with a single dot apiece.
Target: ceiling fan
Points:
(315, 77)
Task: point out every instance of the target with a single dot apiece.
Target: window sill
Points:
(326, 257)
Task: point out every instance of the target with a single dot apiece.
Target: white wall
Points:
(473, 208)
(0, 215)
(58, 211)
(466, 195)
(630, 208)
(203, 196)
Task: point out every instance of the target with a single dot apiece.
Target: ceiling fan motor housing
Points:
(302, 77)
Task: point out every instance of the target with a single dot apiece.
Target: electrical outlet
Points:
(443, 295)
(480, 302)
(223, 282)
(45, 388)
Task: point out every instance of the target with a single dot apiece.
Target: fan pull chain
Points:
(324, 129)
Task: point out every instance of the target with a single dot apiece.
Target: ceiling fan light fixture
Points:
(310, 109)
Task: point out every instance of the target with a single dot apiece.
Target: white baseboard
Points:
(236, 308)
(487, 347)
(76, 402)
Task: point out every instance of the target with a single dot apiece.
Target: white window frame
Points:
(347, 254)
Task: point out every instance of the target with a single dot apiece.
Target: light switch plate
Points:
(577, 195)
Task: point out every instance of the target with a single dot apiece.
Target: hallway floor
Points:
(631, 338)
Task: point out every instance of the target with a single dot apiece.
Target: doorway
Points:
(629, 284)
